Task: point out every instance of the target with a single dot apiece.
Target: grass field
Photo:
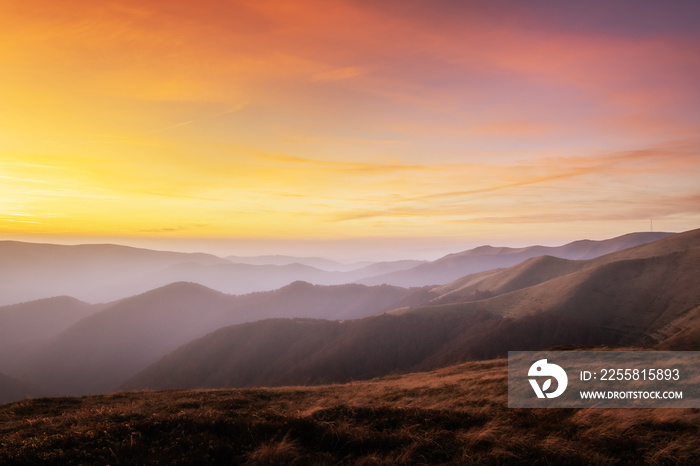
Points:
(456, 415)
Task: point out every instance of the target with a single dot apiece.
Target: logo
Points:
(542, 368)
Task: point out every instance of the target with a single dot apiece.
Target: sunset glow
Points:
(306, 120)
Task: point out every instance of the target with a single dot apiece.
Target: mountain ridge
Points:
(107, 272)
(638, 298)
(483, 258)
(100, 351)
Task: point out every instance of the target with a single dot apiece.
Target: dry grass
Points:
(456, 415)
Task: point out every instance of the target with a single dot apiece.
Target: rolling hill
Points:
(100, 273)
(90, 272)
(455, 266)
(300, 351)
(640, 297)
(316, 262)
(12, 389)
(105, 273)
(644, 295)
(101, 351)
(25, 327)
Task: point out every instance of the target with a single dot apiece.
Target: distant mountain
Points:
(353, 271)
(533, 271)
(90, 272)
(101, 351)
(105, 273)
(99, 273)
(12, 389)
(380, 268)
(27, 326)
(316, 262)
(645, 296)
(454, 266)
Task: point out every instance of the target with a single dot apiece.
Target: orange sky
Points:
(461, 121)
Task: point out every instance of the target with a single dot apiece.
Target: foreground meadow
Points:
(456, 415)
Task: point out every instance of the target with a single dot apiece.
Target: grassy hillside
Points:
(303, 351)
(637, 302)
(11, 389)
(456, 415)
(100, 352)
(500, 281)
(455, 266)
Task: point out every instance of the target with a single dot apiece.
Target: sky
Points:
(277, 126)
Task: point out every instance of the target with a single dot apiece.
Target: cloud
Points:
(602, 187)
(340, 74)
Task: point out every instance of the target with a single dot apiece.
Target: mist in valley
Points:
(636, 290)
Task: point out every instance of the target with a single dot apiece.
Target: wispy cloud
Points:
(364, 118)
(213, 116)
(340, 74)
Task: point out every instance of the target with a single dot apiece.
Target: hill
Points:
(609, 300)
(99, 273)
(26, 326)
(316, 262)
(499, 281)
(90, 272)
(455, 415)
(540, 269)
(642, 295)
(100, 352)
(454, 266)
(12, 389)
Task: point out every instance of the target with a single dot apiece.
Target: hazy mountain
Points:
(105, 273)
(336, 302)
(380, 268)
(355, 270)
(244, 278)
(645, 296)
(91, 272)
(454, 266)
(296, 351)
(25, 327)
(99, 352)
(533, 271)
(240, 278)
(12, 389)
(316, 262)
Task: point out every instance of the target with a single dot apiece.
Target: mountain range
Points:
(643, 296)
(98, 352)
(454, 266)
(100, 273)
(186, 335)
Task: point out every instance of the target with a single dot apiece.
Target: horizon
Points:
(369, 129)
(355, 250)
